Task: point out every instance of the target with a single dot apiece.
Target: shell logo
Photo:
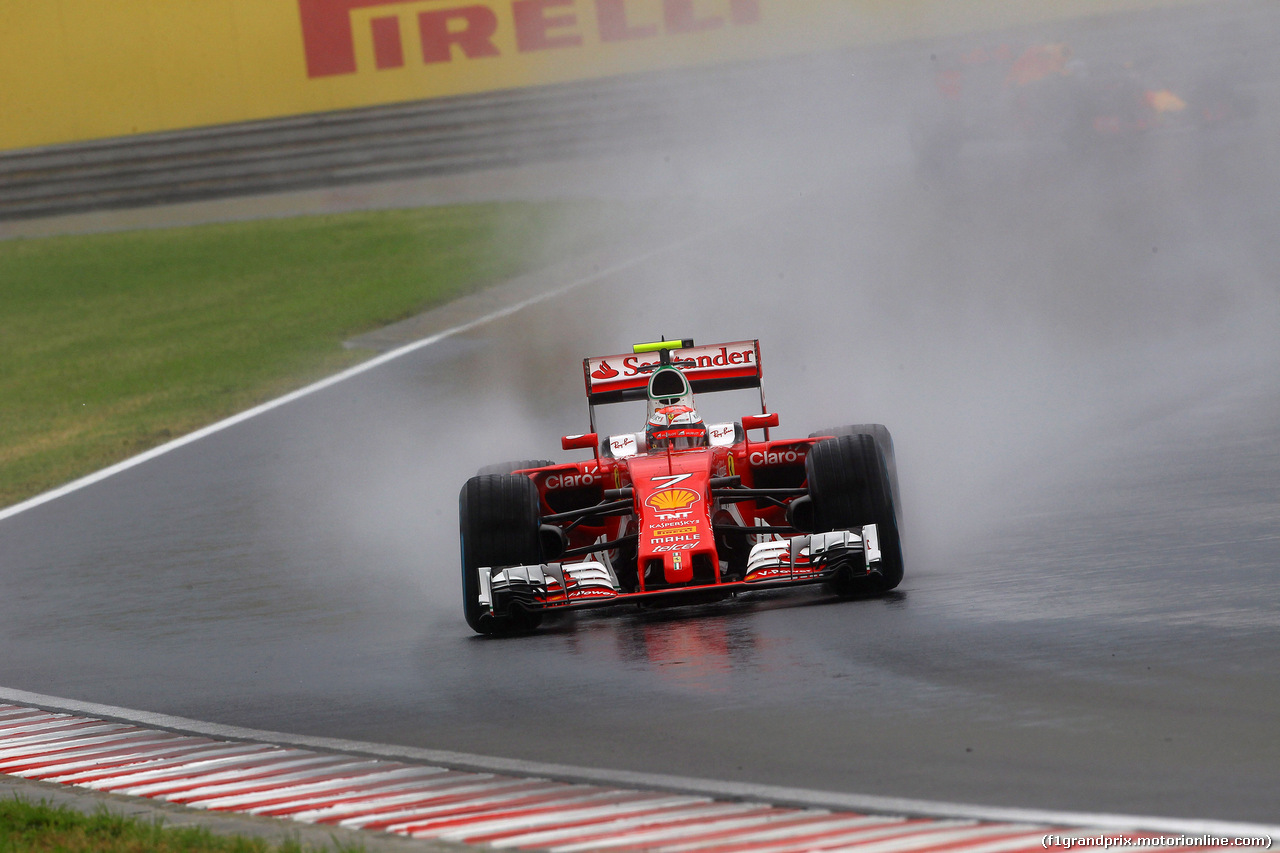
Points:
(673, 499)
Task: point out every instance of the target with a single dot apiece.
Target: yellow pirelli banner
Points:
(85, 69)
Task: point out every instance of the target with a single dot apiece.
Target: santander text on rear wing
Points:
(718, 367)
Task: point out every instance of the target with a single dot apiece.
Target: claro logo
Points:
(776, 457)
(571, 481)
(537, 25)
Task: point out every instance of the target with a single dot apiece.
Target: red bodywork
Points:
(672, 511)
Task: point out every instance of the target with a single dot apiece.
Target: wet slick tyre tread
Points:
(850, 486)
(498, 526)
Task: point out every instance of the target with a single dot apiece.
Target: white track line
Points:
(363, 367)
(658, 782)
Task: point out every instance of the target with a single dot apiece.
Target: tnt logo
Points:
(448, 30)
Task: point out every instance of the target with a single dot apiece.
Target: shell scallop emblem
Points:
(671, 500)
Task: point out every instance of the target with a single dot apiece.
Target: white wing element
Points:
(808, 556)
(575, 581)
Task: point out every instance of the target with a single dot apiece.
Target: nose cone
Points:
(674, 501)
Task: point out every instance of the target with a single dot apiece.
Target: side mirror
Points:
(588, 441)
(760, 421)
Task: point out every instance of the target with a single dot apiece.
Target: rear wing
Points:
(718, 367)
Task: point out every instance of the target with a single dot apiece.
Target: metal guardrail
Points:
(378, 143)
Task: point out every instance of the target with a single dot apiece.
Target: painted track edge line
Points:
(356, 370)
(777, 795)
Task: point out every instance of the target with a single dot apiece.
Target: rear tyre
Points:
(518, 465)
(850, 486)
(498, 526)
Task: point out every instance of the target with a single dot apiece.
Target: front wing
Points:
(575, 586)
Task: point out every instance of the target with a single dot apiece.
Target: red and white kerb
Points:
(428, 802)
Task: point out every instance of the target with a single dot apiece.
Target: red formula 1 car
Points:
(683, 512)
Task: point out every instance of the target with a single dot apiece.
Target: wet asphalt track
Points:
(1080, 367)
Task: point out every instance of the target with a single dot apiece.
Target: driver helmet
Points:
(673, 421)
(677, 427)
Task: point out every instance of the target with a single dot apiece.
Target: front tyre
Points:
(498, 518)
(884, 441)
(850, 486)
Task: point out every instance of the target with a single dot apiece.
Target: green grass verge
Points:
(39, 828)
(115, 343)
